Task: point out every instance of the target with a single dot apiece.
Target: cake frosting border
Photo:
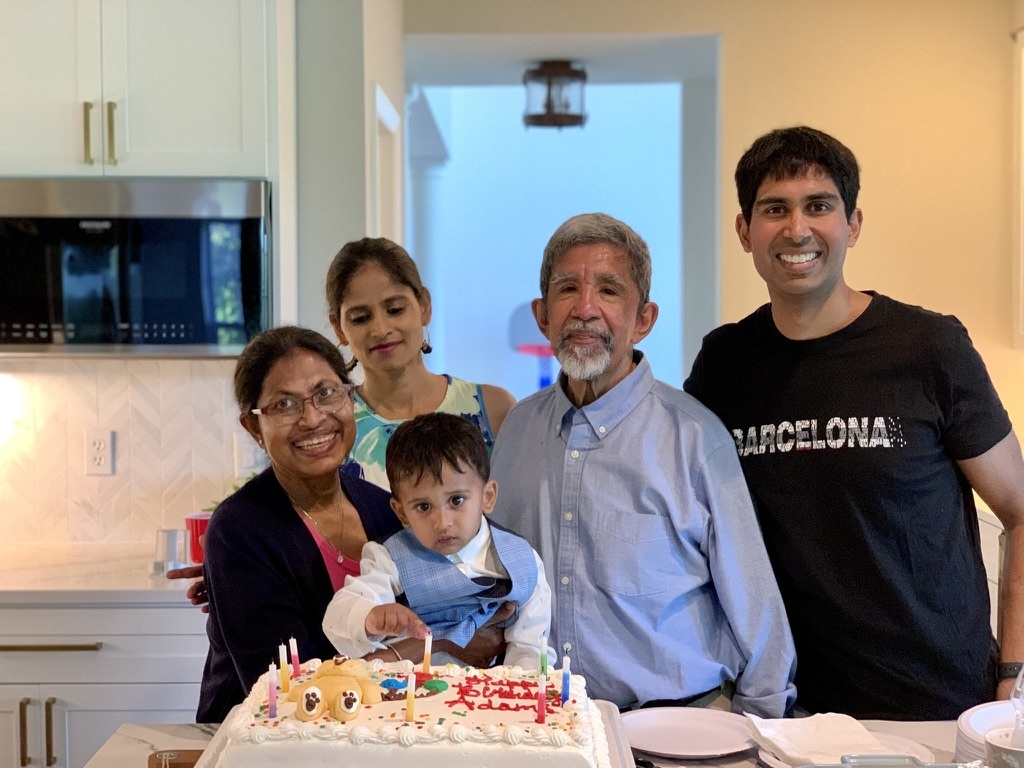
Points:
(245, 727)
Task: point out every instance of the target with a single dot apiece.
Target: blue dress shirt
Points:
(661, 586)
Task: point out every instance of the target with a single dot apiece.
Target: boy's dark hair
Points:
(426, 444)
(787, 153)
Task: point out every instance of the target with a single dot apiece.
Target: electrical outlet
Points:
(99, 452)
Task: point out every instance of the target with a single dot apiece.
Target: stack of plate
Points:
(973, 724)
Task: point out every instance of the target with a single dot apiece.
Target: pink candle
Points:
(542, 698)
(285, 676)
(272, 691)
(295, 657)
(410, 697)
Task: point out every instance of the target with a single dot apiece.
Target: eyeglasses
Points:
(289, 410)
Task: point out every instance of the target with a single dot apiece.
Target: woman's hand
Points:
(487, 643)
(196, 592)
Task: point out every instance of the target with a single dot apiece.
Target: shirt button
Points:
(575, 454)
(568, 516)
(565, 581)
(602, 430)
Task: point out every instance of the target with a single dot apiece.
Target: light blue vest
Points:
(453, 605)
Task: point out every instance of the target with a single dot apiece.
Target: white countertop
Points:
(82, 574)
(131, 745)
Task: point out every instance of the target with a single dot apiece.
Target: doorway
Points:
(485, 193)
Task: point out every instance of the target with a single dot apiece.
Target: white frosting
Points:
(488, 713)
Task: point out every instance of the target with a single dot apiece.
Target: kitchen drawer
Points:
(184, 619)
(117, 659)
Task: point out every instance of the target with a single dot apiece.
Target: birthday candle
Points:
(285, 675)
(542, 698)
(410, 697)
(295, 656)
(565, 679)
(544, 657)
(426, 653)
(272, 690)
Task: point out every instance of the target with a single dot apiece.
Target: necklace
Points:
(341, 557)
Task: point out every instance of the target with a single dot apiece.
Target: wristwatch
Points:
(1008, 669)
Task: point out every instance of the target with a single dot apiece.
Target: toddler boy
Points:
(448, 568)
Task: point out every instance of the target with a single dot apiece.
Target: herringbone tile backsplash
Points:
(174, 423)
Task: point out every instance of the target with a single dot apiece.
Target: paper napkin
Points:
(818, 739)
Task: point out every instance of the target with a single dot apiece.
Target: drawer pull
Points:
(51, 759)
(111, 154)
(87, 119)
(23, 731)
(58, 647)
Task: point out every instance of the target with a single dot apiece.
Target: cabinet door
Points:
(20, 726)
(85, 716)
(185, 87)
(50, 57)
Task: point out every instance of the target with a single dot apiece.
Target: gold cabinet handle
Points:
(65, 647)
(111, 154)
(23, 731)
(51, 759)
(87, 130)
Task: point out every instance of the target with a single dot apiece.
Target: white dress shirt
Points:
(379, 584)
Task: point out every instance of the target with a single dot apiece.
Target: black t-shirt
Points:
(849, 443)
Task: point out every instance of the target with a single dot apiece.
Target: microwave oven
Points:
(139, 261)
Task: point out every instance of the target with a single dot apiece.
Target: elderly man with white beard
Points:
(632, 493)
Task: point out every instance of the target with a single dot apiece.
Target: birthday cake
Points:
(350, 712)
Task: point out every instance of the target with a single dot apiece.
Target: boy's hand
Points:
(393, 619)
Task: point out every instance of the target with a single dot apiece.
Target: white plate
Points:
(979, 720)
(898, 744)
(688, 732)
(973, 724)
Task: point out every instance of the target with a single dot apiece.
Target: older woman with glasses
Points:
(278, 548)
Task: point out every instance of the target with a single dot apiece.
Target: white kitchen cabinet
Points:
(65, 725)
(73, 673)
(133, 88)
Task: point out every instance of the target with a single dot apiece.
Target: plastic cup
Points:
(195, 524)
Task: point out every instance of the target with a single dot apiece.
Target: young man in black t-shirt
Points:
(862, 425)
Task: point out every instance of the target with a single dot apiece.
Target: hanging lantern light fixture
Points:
(554, 95)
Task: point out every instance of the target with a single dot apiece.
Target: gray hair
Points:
(590, 228)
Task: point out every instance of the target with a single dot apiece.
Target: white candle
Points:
(426, 653)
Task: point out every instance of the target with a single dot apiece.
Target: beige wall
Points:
(919, 89)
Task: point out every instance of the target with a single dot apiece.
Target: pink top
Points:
(337, 571)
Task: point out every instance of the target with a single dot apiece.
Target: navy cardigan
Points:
(267, 582)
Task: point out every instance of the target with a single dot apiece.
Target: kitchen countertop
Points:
(131, 745)
(84, 574)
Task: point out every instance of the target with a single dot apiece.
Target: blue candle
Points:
(565, 679)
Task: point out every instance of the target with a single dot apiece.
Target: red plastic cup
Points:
(195, 524)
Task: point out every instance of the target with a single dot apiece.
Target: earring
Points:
(425, 347)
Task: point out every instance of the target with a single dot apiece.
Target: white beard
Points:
(579, 364)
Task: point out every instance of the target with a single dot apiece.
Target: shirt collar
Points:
(613, 406)
(477, 547)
